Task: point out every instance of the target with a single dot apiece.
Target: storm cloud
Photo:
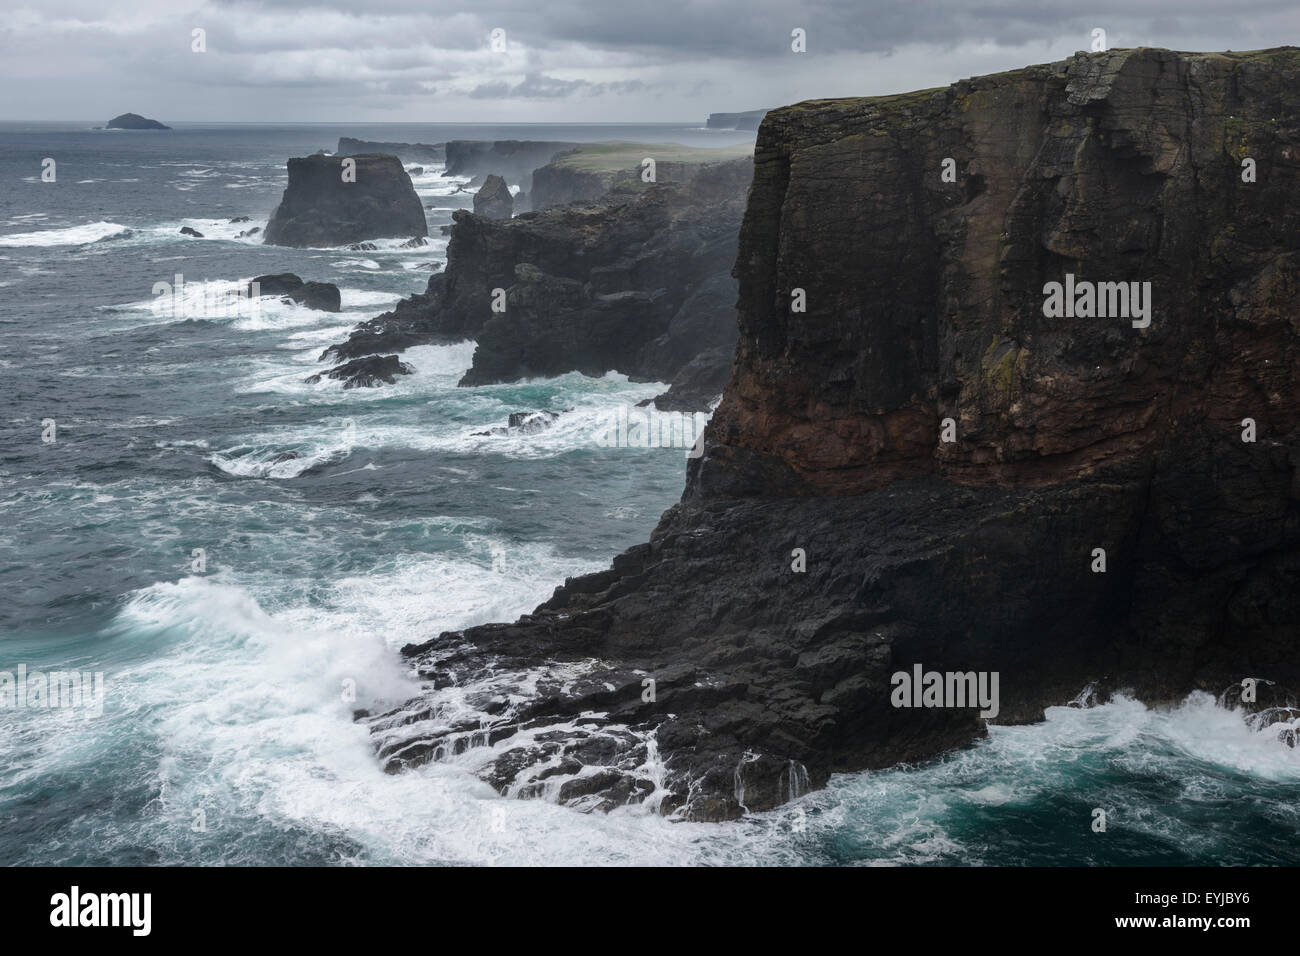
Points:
(617, 60)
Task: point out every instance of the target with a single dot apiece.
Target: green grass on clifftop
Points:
(617, 156)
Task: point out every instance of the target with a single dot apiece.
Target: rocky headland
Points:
(919, 461)
(636, 282)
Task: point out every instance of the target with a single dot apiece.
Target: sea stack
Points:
(493, 200)
(334, 201)
(914, 465)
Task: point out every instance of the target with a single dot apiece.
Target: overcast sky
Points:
(564, 60)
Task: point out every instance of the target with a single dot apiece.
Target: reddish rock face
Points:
(1099, 519)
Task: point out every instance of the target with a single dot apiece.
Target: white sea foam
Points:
(219, 300)
(70, 236)
(250, 716)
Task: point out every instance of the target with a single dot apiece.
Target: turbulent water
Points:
(335, 526)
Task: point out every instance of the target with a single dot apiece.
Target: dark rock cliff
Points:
(925, 302)
(638, 283)
(622, 286)
(321, 208)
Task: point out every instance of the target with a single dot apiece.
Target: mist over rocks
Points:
(512, 159)
(322, 206)
(829, 537)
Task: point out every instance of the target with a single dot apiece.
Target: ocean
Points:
(229, 546)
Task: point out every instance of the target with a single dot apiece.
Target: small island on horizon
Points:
(134, 121)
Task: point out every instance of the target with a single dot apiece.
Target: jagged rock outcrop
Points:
(368, 372)
(829, 536)
(638, 284)
(493, 200)
(314, 295)
(134, 121)
(407, 152)
(639, 287)
(321, 207)
(513, 159)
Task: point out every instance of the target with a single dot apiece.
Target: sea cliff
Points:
(919, 461)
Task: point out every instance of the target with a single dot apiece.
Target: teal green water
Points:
(338, 525)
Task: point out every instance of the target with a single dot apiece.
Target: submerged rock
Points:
(525, 423)
(315, 295)
(368, 372)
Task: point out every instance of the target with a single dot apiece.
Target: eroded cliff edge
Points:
(924, 302)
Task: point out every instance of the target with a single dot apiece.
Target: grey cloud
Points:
(537, 86)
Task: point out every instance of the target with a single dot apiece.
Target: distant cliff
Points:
(512, 159)
(407, 152)
(325, 204)
(920, 461)
(741, 121)
(590, 171)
